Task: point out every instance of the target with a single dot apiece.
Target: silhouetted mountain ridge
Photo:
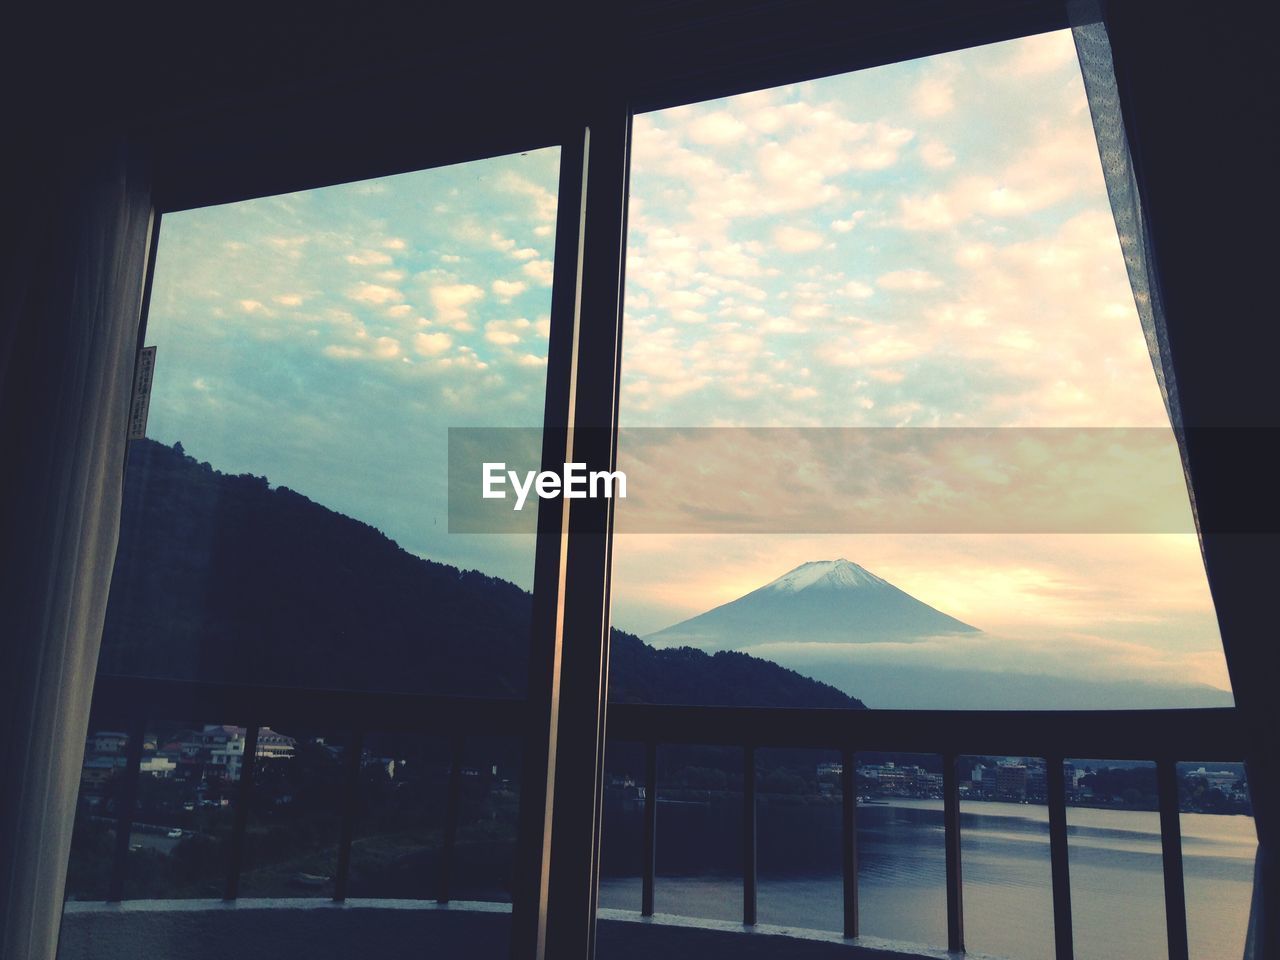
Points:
(225, 578)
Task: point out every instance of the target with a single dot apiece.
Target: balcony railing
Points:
(1159, 736)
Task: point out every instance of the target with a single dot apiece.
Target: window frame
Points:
(676, 58)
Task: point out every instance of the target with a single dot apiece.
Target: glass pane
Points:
(1117, 871)
(399, 830)
(869, 319)
(699, 846)
(798, 839)
(285, 525)
(892, 433)
(484, 860)
(180, 845)
(1004, 844)
(291, 837)
(93, 839)
(285, 521)
(902, 867)
(622, 826)
(1219, 847)
(399, 850)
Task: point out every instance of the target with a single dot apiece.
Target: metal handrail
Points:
(1162, 736)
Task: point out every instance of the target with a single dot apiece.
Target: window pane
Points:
(285, 525)
(622, 826)
(98, 805)
(903, 253)
(188, 790)
(799, 837)
(489, 803)
(1004, 843)
(1117, 872)
(699, 847)
(291, 837)
(1219, 846)
(399, 831)
(902, 867)
(285, 522)
(869, 319)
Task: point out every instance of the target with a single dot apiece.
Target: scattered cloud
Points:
(386, 347)
(506, 332)
(849, 222)
(432, 344)
(718, 128)
(368, 258)
(934, 97)
(540, 271)
(857, 290)
(374, 293)
(908, 280)
(451, 301)
(506, 289)
(791, 239)
(543, 200)
(1061, 164)
(339, 352)
(936, 155)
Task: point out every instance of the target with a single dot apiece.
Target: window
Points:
(908, 275)
(285, 531)
(856, 294)
(285, 520)
(911, 276)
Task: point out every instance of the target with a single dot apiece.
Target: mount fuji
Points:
(823, 601)
(838, 621)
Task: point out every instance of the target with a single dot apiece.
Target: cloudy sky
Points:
(920, 245)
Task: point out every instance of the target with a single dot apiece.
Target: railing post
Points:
(951, 829)
(649, 864)
(126, 801)
(749, 836)
(849, 840)
(1175, 900)
(350, 798)
(1055, 783)
(451, 810)
(244, 796)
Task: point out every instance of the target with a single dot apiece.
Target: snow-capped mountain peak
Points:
(825, 574)
(823, 601)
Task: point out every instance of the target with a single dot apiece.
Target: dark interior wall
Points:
(1198, 83)
(255, 100)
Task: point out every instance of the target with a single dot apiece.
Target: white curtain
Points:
(72, 283)
(1093, 47)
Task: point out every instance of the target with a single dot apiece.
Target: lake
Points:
(1117, 886)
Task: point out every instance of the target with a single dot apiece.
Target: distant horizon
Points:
(862, 677)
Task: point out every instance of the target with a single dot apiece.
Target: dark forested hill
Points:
(225, 578)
